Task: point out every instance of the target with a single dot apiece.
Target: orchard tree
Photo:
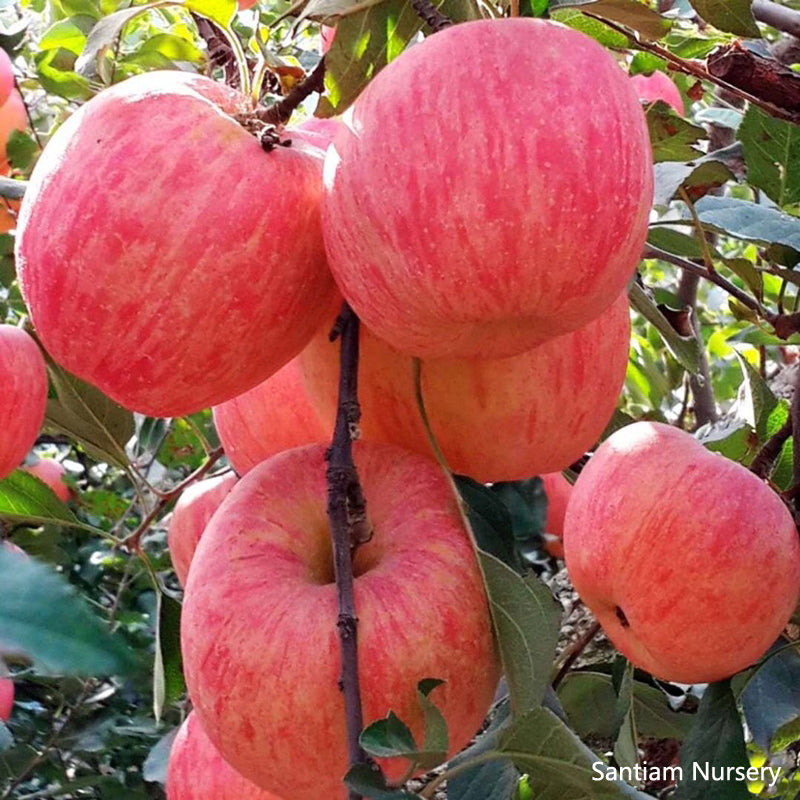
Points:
(399, 399)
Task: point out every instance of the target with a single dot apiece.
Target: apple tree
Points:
(509, 256)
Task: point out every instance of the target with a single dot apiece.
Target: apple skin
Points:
(197, 771)
(558, 490)
(23, 377)
(658, 86)
(494, 419)
(157, 209)
(51, 472)
(258, 629)
(7, 82)
(6, 698)
(477, 232)
(700, 556)
(191, 514)
(13, 117)
(327, 34)
(274, 416)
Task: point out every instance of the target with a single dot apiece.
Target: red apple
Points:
(190, 516)
(316, 131)
(558, 490)
(198, 772)
(23, 377)
(276, 415)
(483, 197)
(13, 117)
(327, 34)
(6, 76)
(495, 419)
(689, 561)
(658, 86)
(245, 4)
(258, 630)
(198, 253)
(6, 698)
(51, 472)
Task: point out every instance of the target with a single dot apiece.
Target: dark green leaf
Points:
(649, 24)
(697, 177)
(526, 621)
(86, 414)
(732, 16)
(534, 8)
(168, 682)
(21, 150)
(686, 349)
(717, 740)
(672, 137)
(370, 782)
(436, 735)
(526, 502)
(771, 699)
(24, 498)
(674, 242)
(12, 35)
(733, 438)
(41, 615)
(388, 737)
(749, 221)
(625, 738)
(772, 152)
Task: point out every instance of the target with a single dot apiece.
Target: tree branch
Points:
(347, 518)
(574, 651)
(779, 17)
(431, 15)
(765, 458)
(279, 113)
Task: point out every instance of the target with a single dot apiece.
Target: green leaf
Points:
(526, 502)
(601, 33)
(625, 738)
(21, 150)
(69, 34)
(731, 437)
(175, 48)
(758, 400)
(86, 414)
(771, 699)
(731, 16)
(672, 137)
(674, 242)
(589, 701)
(436, 735)
(772, 152)
(220, 11)
(637, 16)
(59, 79)
(388, 738)
(490, 520)
(370, 782)
(748, 221)
(526, 621)
(698, 177)
(25, 498)
(716, 739)
(686, 349)
(41, 615)
(168, 682)
(560, 766)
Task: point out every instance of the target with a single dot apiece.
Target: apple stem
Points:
(347, 518)
(574, 651)
(431, 15)
(279, 113)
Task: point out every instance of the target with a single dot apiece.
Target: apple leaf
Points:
(771, 699)
(631, 13)
(589, 701)
(732, 16)
(25, 498)
(42, 616)
(154, 769)
(436, 735)
(168, 682)
(625, 738)
(672, 137)
(686, 349)
(559, 765)
(526, 502)
(84, 413)
(772, 152)
(526, 620)
(388, 738)
(716, 739)
(758, 401)
(601, 33)
(370, 782)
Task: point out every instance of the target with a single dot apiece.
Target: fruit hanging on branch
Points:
(494, 419)
(258, 630)
(165, 256)
(23, 378)
(51, 472)
(689, 561)
(490, 190)
(659, 86)
(198, 772)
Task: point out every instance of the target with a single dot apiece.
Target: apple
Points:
(276, 415)
(258, 629)
(199, 254)
(494, 419)
(481, 197)
(658, 86)
(197, 771)
(51, 472)
(327, 34)
(688, 560)
(23, 377)
(316, 131)
(13, 117)
(190, 516)
(7, 82)
(245, 4)
(6, 698)
(558, 490)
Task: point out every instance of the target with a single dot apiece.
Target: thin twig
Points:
(762, 464)
(347, 518)
(431, 15)
(279, 113)
(574, 651)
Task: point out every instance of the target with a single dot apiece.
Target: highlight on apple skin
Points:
(689, 561)
(23, 376)
(407, 187)
(180, 271)
(258, 630)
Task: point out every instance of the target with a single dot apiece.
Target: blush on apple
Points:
(51, 472)
(688, 560)
(258, 630)
(658, 86)
(6, 698)
(558, 490)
